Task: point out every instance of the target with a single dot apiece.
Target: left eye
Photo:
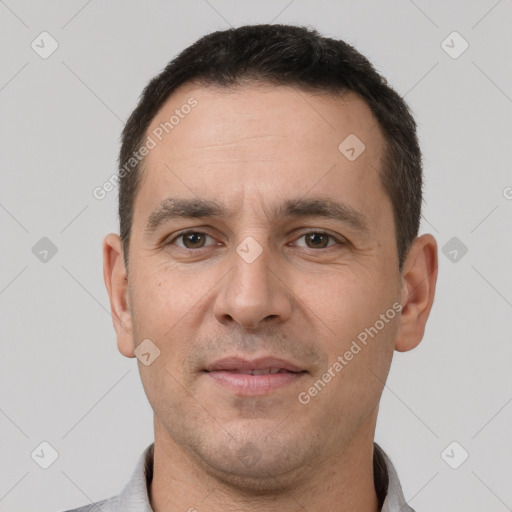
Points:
(318, 239)
(197, 239)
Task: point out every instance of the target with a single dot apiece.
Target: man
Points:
(267, 268)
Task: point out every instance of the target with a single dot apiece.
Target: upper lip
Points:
(262, 363)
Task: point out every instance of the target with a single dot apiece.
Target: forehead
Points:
(264, 139)
(223, 115)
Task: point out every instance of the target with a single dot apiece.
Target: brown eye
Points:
(317, 240)
(191, 240)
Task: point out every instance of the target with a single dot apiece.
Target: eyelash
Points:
(317, 232)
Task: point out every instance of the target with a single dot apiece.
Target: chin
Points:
(258, 465)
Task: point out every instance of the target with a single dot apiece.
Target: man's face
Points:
(252, 284)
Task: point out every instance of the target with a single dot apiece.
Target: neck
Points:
(344, 481)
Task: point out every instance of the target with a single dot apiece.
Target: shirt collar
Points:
(394, 497)
(135, 494)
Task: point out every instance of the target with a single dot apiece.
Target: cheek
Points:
(346, 303)
(360, 356)
(159, 312)
(359, 324)
(162, 294)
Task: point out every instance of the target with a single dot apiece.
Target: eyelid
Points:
(338, 238)
(182, 234)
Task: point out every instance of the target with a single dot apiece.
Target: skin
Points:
(302, 300)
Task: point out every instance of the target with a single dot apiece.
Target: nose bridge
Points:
(253, 292)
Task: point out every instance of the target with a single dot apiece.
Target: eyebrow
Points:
(179, 208)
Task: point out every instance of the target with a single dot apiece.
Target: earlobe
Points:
(419, 278)
(116, 282)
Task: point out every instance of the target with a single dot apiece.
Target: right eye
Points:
(191, 240)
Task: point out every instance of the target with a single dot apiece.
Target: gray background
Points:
(62, 379)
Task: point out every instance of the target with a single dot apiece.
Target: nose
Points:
(254, 294)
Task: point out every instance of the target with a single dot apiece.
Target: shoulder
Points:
(100, 506)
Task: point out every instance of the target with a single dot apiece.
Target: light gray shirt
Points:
(134, 496)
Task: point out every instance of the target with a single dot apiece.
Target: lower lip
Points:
(244, 384)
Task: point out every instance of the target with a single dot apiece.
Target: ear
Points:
(419, 276)
(116, 281)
